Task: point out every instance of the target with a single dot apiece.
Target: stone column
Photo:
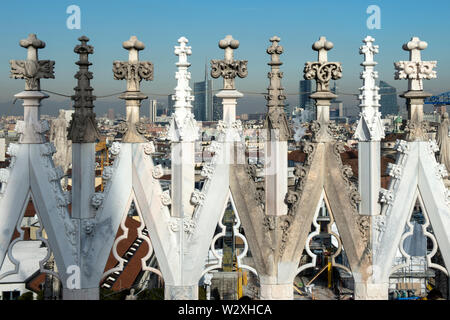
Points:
(133, 71)
(84, 134)
(277, 132)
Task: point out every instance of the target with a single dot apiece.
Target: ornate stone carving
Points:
(107, 173)
(322, 71)
(97, 200)
(369, 98)
(197, 197)
(228, 68)
(415, 70)
(32, 69)
(387, 196)
(83, 126)
(441, 171)
(395, 170)
(189, 226)
(115, 148)
(269, 223)
(133, 71)
(207, 170)
(165, 198)
(183, 125)
(158, 171)
(4, 176)
(402, 146)
(364, 227)
(149, 148)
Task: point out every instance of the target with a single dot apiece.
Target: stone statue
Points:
(58, 136)
(442, 140)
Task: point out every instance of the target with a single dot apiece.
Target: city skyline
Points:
(246, 25)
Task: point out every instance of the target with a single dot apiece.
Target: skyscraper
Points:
(305, 102)
(203, 99)
(153, 110)
(217, 108)
(111, 115)
(170, 103)
(388, 99)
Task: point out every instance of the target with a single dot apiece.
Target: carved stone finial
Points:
(322, 70)
(415, 70)
(83, 126)
(133, 71)
(32, 69)
(228, 68)
(370, 127)
(183, 125)
(276, 117)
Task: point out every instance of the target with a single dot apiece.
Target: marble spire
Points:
(276, 117)
(83, 126)
(369, 126)
(183, 125)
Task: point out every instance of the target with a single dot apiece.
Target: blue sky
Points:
(160, 23)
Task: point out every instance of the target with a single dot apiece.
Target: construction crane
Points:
(103, 149)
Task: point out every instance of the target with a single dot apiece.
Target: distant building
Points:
(153, 110)
(111, 115)
(203, 99)
(388, 99)
(217, 109)
(170, 104)
(305, 102)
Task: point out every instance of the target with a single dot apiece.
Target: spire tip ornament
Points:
(83, 126)
(133, 71)
(229, 68)
(32, 69)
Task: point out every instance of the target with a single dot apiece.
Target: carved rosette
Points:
(387, 196)
(107, 173)
(402, 146)
(197, 197)
(432, 147)
(441, 171)
(158, 171)
(149, 148)
(165, 198)
(115, 148)
(395, 170)
(97, 200)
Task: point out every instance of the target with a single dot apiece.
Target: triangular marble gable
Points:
(32, 171)
(416, 173)
(277, 243)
